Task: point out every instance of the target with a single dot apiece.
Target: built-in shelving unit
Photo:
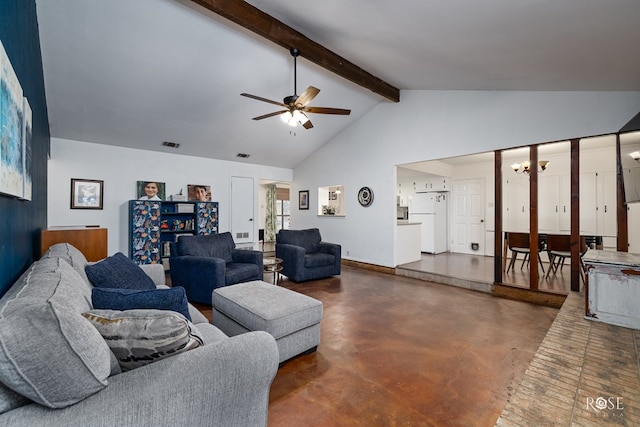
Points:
(155, 224)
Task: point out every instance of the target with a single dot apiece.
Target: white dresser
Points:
(612, 291)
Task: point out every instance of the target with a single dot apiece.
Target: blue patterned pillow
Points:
(174, 299)
(118, 271)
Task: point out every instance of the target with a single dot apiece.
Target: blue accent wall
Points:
(22, 221)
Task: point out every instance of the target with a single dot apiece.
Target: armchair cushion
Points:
(308, 239)
(173, 299)
(118, 271)
(209, 246)
(318, 259)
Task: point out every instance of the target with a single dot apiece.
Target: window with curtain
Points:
(282, 208)
(282, 211)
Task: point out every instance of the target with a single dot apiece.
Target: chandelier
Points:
(525, 167)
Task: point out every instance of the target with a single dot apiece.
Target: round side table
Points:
(273, 265)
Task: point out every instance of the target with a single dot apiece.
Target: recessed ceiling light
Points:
(243, 155)
(171, 144)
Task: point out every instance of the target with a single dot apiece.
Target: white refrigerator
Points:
(430, 209)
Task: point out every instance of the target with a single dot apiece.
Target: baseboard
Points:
(366, 266)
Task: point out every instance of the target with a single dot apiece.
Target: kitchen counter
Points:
(407, 222)
(408, 242)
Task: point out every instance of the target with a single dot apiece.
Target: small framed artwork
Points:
(86, 193)
(303, 199)
(199, 193)
(150, 190)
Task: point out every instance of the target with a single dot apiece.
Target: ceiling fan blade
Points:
(306, 96)
(266, 116)
(325, 110)
(259, 98)
(307, 124)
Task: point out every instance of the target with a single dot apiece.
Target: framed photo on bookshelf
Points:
(150, 190)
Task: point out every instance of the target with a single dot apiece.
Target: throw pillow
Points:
(140, 337)
(118, 271)
(174, 299)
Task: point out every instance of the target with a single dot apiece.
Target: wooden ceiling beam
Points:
(253, 19)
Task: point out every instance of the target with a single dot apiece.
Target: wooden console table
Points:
(91, 241)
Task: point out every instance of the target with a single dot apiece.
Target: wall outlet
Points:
(347, 253)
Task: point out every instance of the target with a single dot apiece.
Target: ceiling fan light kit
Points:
(296, 106)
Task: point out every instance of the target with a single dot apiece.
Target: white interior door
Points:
(467, 216)
(242, 209)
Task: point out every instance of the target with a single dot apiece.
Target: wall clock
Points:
(365, 196)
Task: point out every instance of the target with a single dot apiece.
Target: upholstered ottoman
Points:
(291, 318)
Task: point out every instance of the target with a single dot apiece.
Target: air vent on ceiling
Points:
(243, 155)
(171, 144)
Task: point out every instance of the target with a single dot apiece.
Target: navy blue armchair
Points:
(305, 256)
(201, 264)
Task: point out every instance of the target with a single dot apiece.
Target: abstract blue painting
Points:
(11, 129)
(26, 147)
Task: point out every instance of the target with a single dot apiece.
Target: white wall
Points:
(120, 169)
(429, 125)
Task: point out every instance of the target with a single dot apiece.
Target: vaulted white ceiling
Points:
(137, 73)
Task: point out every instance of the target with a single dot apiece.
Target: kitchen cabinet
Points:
(597, 204)
(438, 184)
(633, 225)
(548, 204)
(517, 204)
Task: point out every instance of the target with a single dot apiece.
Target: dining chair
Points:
(559, 249)
(518, 243)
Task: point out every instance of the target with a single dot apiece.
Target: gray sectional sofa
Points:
(56, 370)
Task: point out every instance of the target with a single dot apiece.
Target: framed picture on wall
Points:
(86, 193)
(303, 199)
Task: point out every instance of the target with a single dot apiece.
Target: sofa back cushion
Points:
(210, 246)
(71, 255)
(48, 351)
(308, 239)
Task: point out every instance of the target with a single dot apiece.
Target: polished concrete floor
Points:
(480, 269)
(398, 351)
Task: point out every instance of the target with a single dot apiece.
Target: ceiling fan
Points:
(296, 106)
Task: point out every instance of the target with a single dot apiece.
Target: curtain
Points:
(271, 216)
